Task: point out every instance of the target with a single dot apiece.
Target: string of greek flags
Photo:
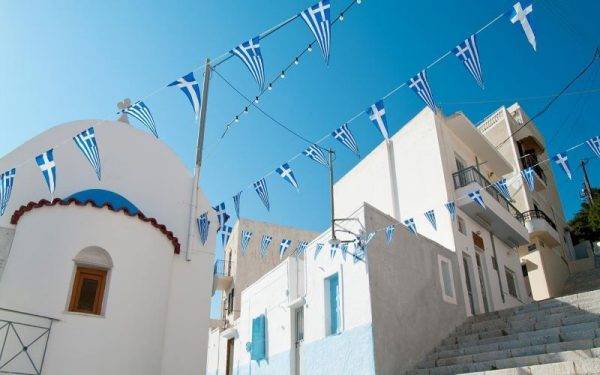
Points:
(361, 243)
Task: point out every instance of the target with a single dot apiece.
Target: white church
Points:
(101, 270)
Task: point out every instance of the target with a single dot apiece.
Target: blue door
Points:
(334, 301)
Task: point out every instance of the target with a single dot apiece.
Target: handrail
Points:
(29, 314)
(222, 267)
(538, 214)
(531, 160)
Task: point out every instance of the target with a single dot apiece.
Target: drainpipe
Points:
(497, 267)
(393, 179)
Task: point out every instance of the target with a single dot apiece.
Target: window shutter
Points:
(258, 338)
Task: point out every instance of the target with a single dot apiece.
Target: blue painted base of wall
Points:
(275, 365)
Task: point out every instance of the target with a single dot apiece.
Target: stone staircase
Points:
(582, 281)
(555, 336)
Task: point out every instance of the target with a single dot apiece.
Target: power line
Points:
(524, 98)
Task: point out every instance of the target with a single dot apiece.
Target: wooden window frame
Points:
(81, 274)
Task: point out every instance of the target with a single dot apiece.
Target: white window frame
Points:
(445, 297)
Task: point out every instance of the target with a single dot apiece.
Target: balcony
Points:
(531, 160)
(539, 225)
(499, 215)
(222, 278)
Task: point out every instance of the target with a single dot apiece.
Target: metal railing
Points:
(472, 175)
(222, 267)
(531, 160)
(538, 214)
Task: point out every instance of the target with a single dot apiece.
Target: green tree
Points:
(585, 225)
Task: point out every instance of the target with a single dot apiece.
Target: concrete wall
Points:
(6, 237)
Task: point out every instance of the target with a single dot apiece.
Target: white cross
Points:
(321, 8)
(562, 161)
(416, 83)
(461, 51)
(86, 136)
(520, 15)
(377, 116)
(286, 173)
(185, 84)
(250, 47)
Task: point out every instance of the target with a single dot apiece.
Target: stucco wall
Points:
(6, 237)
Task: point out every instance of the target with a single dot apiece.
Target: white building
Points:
(95, 280)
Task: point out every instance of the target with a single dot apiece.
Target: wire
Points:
(520, 99)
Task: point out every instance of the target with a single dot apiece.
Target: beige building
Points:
(546, 259)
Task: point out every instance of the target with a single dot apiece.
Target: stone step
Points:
(574, 351)
(579, 366)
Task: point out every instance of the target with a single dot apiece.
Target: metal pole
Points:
(331, 153)
(586, 181)
(199, 145)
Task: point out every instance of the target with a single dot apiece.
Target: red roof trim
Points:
(66, 202)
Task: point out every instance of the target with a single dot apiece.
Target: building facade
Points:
(547, 256)
(95, 280)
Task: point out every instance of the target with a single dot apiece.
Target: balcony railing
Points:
(471, 174)
(531, 160)
(538, 214)
(222, 268)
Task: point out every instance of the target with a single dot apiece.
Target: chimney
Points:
(122, 105)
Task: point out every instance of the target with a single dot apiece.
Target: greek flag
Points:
(261, 189)
(430, 215)
(46, 163)
(245, 241)
(191, 89)
(7, 180)
(476, 197)
(421, 87)
(283, 246)
(316, 153)
(410, 224)
(468, 53)
(376, 114)
(359, 253)
(318, 249)
(502, 187)
(264, 244)
(221, 215)
(361, 246)
(528, 175)
(287, 174)
(318, 18)
(249, 53)
(520, 15)
(203, 224)
(301, 248)
(389, 233)
(236, 203)
(346, 138)
(142, 113)
(451, 207)
(225, 234)
(86, 141)
(344, 248)
(563, 161)
(594, 144)
(333, 249)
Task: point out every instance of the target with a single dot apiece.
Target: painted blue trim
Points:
(101, 197)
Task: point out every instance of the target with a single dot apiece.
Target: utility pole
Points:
(586, 182)
(199, 146)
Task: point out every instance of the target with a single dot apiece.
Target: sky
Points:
(71, 60)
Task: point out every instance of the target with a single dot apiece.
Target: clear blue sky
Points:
(69, 60)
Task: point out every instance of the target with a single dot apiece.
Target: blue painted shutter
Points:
(334, 301)
(258, 338)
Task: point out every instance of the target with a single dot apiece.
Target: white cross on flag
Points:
(468, 53)
(563, 161)
(283, 246)
(520, 15)
(317, 18)
(594, 144)
(249, 53)
(46, 163)
(7, 180)
(421, 87)
(376, 114)
(285, 171)
(191, 89)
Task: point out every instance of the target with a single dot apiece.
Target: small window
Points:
(230, 296)
(462, 227)
(478, 242)
(332, 305)
(300, 324)
(88, 291)
(511, 281)
(446, 279)
(532, 247)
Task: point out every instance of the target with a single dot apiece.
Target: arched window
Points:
(92, 265)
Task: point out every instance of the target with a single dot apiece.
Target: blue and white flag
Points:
(346, 138)
(520, 15)
(301, 248)
(377, 116)
(191, 89)
(7, 180)
(502, 187)
(245, 241)
(476, 197)
(318, 19)
(430, 215)
(264, 244)
(236, 203)
(451, 207)
(142, 113)
(203, 225)
(563, 161)
(261, 189)
(48, 167)
(333, 249)
(421, 87)
(344, 248)
(86, 142)
(318, 249)
(361, 246)
(410, 224)
(285, 171)
(283, 246)
(389, 233)
(468, 53)
(317, 154)
(225, 234)
(221, 215)
(594, 144)
(249, 53)
(528, 175)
